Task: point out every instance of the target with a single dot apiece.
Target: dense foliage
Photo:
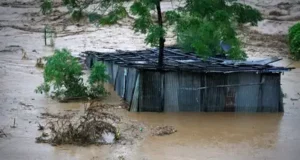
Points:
(294, 40)
(204, 26)
(63, 72)
(96, 80)
(211, 30)
(63, 77)
(208, 37)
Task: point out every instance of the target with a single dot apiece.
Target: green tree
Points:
(200, 24)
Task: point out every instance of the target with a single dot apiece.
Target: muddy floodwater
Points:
(199, 135)
(230, 135)
(212, 136)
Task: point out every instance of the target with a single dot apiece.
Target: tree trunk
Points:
(161, 39)
(161, 54)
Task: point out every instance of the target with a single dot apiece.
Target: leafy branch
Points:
(207, 27)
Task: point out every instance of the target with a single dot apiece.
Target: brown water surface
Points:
(230, 135)
(274, 136)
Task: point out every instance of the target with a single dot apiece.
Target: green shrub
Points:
(294, 41)
(46, 6)
(295, 46)
(97, 79)
(63, 74)
(293, 30)
(63, 77)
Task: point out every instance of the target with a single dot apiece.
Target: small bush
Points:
(63, 77)
(294, 40)
(295, 46)
(46, 6)
(97, 79)
(63, 73)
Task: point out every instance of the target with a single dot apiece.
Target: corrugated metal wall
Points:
(115, 71)
(134, 103)
(214, 97)
(188, 92)
(246, 97)
(210, 92)
(120, 81)
(196, 92)
(150, 91)
(109, 71)
(125, 81)
(171, 92)
(130, 83)
(271, 93)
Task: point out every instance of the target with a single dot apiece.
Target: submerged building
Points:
(189, 83)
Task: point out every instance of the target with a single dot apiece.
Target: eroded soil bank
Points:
(199, 135)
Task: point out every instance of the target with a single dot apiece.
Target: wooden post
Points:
(45, 35)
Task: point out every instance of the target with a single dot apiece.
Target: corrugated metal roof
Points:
(175, 59)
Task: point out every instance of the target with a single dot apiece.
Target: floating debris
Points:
(294, 99)
(2, 133)
(163, 130)
(24, 104)
(24, 57)
(51, 115)
(41, 128)
(39, 63)
(94, 127)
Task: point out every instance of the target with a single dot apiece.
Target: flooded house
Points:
(192, 84)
